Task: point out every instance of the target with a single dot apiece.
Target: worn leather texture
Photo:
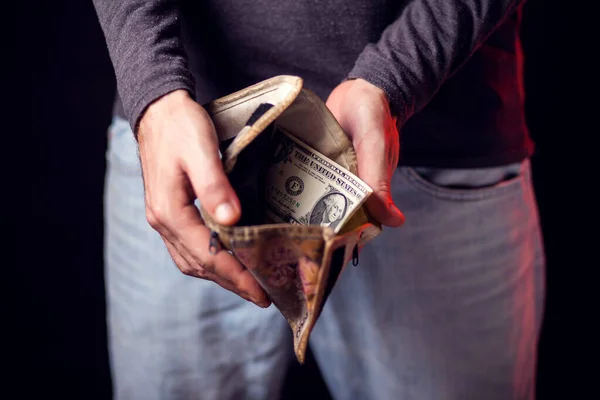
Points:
(296, 265)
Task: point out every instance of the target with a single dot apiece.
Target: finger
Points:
(178, 259)
(189, 266)
(209, 182)
(231, 275)
(375, 172)
(222, 267)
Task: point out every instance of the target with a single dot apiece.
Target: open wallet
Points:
(295, 258)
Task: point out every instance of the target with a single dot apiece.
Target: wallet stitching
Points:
(254, 91)
(240, 100)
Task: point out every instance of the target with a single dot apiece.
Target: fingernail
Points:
(250, 299)
(264, 304)
(398, 215)
(395, 209)
(224, 213)
(396, 212)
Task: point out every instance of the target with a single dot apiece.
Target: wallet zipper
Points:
(355, 255)
(213, 243)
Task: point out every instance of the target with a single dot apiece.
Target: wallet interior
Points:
(244, 122)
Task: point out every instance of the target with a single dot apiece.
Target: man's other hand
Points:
(363, 111)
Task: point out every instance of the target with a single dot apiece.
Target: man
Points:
(446, 307)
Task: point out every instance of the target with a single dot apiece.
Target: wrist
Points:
(167, 104)
(368, 86)
(164, 107)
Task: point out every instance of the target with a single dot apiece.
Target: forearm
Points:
(429, 41)
(144, 45)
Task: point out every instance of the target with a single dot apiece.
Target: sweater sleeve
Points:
(427, 43)
(143, 39)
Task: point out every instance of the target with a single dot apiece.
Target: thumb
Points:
(374, 170)
(209, 182)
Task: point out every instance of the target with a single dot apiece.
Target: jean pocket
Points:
(468, 184)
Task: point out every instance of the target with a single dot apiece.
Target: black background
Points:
(53, 316)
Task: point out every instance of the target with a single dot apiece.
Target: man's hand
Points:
(180, 162)
(363, 111)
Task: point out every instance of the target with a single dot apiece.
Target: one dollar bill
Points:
(305, 187)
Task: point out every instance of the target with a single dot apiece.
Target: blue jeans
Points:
(447, 307)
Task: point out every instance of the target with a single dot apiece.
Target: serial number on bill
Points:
(283, 198)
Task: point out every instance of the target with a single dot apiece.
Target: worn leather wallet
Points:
(297, 265)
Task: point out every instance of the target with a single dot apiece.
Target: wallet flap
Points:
(242, 115)
(230, 113)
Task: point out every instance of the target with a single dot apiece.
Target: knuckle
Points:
(358, 142)
(182, 266)
(213, 190)
(382, 186)
(201, 272)
(205, 267)
(177, 260)
(151, 218)
(187, 271)
(155, 215)
(370, 141)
